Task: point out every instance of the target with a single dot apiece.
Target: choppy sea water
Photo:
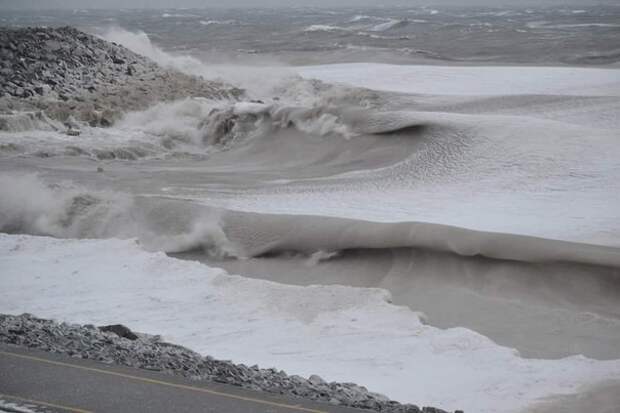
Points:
(559, 35)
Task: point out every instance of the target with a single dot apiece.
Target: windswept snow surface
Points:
(340, 333)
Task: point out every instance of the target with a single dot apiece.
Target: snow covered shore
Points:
(302, 330)
(119, 345)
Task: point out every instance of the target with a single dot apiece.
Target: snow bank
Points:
(340, 333)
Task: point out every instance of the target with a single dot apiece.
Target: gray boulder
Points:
(120, 330)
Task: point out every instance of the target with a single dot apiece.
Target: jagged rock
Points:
(42, 89)
(316, 380)
(120, 330)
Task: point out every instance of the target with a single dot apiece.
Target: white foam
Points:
(178, 15)
(165, 129)
(178, 119)
(390, 24)
(471, 80)
(217, 22)
(361, 17)
(340, 333)
(323, 28)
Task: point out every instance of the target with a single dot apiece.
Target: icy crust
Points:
(340, 333)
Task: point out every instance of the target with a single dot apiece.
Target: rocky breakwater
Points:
(68, 74)
(117, 344)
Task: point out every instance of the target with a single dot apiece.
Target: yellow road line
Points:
(56, 406)
(163, 383)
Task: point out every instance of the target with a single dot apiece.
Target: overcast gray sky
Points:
(52, 4)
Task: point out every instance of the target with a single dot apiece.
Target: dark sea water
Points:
(582, 36)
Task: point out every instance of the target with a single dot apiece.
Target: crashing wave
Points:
(24, 121)
(189, 127)
(389, 25)
(66, 211)
(361, 17)
(224, 127)
(139, 42)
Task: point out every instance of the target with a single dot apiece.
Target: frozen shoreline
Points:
(119, 345)
(300, 329)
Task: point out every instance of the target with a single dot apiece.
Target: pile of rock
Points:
(64, 72)
(64, 60)
(117, 344)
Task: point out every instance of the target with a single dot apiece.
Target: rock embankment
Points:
(65, 72)
(117, 344)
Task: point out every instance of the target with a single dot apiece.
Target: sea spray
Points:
(66, 210)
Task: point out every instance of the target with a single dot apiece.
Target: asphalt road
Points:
(56, 383)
